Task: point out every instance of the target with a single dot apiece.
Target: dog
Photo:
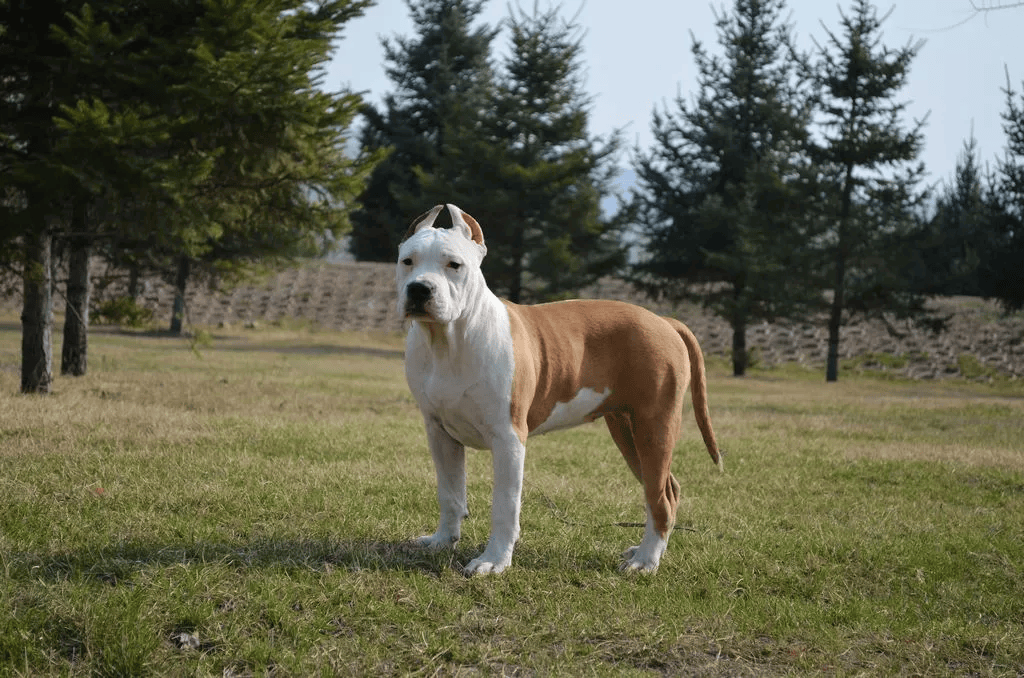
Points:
(487, 374)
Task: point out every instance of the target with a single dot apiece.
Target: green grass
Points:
(878, 361)
(253, 496)
(972, 368)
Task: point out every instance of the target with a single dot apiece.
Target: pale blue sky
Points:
(637, 56)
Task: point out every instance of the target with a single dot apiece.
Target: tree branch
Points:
(982, 8)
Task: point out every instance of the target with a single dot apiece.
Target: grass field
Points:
(240, 507)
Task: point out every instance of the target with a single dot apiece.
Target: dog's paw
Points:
(484, 565)
(633, 560)
(435, 542)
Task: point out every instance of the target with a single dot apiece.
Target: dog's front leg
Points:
(509, 457)
(450, 464)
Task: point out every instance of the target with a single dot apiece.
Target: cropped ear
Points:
(466, 224)
(425, 220)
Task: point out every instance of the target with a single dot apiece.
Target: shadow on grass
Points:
(317, 349)
(149, 333)
(119, 564)
(217, 345)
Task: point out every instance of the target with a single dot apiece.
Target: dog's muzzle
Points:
(417, 295)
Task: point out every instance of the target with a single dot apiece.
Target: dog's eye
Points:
(407, 261)
(454, 265)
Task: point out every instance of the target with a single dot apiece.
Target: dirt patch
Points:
(980, 343)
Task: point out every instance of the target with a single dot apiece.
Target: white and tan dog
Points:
(488, 373)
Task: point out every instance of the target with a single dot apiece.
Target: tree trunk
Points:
(37, 315)
(74, 354)
(739, 347)
(515, 283)
(180, 282)
(133, 282)
(515, 289)
(835, 319)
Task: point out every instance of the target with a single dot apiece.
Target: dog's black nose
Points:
(417, 292)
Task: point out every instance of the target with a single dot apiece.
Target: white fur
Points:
(574, 412)
(645, 556)
(459, 366)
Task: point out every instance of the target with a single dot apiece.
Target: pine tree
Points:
(177, 128)
(536, 173)
(279, 180)
(34, 79)
(1002, 276)
(872, 161)
(722, 196)
(443, 79)
(959, 234)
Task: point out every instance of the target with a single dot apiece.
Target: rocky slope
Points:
(980, 342)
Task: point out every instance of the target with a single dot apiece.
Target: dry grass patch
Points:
(864, 418)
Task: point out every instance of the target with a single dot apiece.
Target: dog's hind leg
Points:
(619, 426)
(661, 490)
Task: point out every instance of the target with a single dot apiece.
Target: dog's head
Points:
(439, 268)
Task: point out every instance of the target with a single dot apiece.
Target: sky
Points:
(637, 56)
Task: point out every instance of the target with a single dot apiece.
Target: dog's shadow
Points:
(119, 564)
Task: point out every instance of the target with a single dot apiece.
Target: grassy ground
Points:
(242, 508)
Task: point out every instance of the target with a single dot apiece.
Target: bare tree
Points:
(982, 8)
(987, 7)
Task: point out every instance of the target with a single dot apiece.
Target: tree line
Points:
(183, 138)
(508, 141)
(788, 186)
(196, 139)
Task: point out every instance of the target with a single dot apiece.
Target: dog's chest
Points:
(467, 385)
(464, 407)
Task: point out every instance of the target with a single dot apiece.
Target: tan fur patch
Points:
(563, 347)
(553, 361)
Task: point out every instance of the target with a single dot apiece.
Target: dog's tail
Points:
(699, 390)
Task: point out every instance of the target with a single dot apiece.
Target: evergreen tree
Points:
(958, 236)
(535, 171)
(871, 161)
(34, 79)
(174, 125)
(722, 196)
(1002, 274)
(270, 141)
(443, 80)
